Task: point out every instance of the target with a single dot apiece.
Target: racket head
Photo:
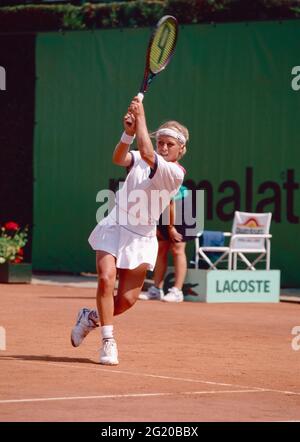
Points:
(160, 49)
(162, 44)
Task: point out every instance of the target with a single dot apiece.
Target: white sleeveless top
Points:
(145, 194)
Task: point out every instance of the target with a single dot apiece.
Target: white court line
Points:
(118, 396)
(171, 378)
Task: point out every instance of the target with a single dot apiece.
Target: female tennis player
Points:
(126, 239)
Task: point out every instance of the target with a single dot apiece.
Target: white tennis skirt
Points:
(129, 248)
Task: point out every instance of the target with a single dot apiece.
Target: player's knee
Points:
(129, 299)
(106, 281)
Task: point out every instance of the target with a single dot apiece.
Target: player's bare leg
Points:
(130, 286)
(87, 319)
(107, 272)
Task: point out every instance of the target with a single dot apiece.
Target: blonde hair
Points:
(178, 128)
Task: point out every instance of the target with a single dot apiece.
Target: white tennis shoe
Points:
(109, 352)
(86, 321)
(152, 293)
(173, 295)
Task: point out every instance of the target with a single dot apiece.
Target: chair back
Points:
(250, 224)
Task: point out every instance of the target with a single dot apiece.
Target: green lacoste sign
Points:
(243, 286)
(235, 286)
(228, 286)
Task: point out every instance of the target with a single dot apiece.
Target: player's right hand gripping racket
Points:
(160, 50)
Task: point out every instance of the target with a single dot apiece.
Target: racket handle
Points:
(140, 96)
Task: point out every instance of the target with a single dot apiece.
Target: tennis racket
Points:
(160, 50)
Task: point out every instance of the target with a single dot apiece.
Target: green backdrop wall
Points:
(230, 84)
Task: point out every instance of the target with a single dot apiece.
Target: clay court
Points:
(183, 362)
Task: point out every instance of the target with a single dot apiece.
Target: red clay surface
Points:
(183, 362)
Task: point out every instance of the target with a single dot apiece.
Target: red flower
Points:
(11, 226)
(17, 260)
(20, 252)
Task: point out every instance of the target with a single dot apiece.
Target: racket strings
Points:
(162, 46)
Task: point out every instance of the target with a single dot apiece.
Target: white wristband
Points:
(127, 139)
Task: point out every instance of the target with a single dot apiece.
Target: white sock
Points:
(107, 331)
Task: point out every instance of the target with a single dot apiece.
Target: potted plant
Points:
(12, 242)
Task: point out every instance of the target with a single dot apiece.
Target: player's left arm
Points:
(143, 140)
(121, 154)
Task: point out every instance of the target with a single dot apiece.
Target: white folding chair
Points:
(250, 235)
(201, 253)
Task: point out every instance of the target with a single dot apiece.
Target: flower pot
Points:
(15, 273)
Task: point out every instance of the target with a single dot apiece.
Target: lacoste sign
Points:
(243, 286)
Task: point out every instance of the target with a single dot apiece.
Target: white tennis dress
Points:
(129, 231)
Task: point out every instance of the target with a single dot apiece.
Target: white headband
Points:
(171, 133)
